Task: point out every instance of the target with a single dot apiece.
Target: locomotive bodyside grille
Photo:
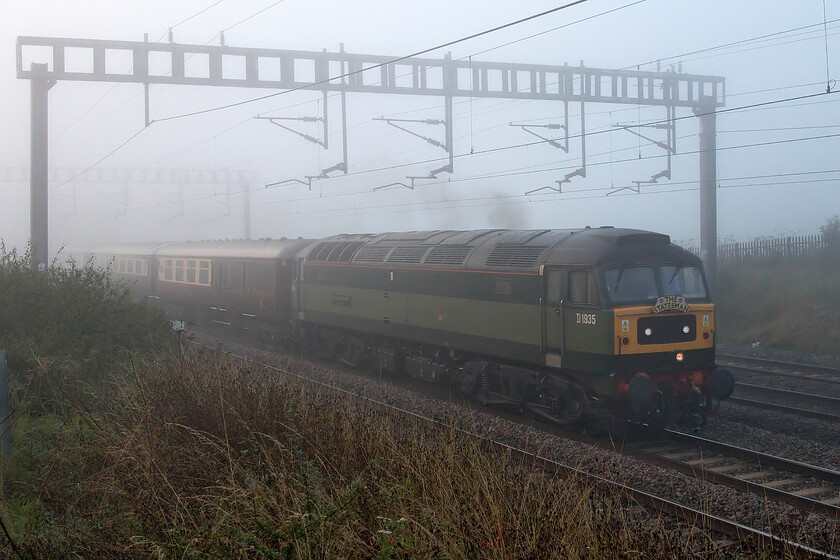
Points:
(408, 255)
(372, 254)
(448, 254)
(515, 256)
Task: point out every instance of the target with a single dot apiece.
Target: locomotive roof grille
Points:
(408, 254)
(345, 251)
(448, 254)
(335, 251)
(522, 237)
(322, 251)
(372, 254)
(524, 256)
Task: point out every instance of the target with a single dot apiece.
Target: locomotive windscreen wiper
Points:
(620, 274)
(676, 271)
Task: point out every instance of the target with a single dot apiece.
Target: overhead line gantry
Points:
(344, 72)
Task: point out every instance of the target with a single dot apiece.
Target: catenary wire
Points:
(444, 45)
(106, 156)
(592, 164)
(752, 106)
(516, 146)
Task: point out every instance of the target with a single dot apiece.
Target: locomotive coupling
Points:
(720, 384)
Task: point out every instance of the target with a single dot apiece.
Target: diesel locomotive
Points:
(601, 324)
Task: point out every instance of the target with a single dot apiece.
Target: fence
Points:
(780, 247)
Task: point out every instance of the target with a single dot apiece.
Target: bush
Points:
(69, 319)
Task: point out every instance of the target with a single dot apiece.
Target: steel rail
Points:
(759, 365)
(742, 533)
(810, 397)
(805, 413)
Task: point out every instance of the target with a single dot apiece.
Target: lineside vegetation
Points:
(790, 303)
(126, 446)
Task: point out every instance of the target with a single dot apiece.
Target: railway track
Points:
(729, 532)
(808, 372)
(813, 406)
(810, 405)
(807, 487)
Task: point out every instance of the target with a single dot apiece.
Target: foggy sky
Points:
(88, 120)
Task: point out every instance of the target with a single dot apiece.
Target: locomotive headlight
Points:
(686, 329)
(648, 331)
(680, 357)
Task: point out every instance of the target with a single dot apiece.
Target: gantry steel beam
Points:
(208, 65)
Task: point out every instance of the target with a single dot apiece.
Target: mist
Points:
(226, 174)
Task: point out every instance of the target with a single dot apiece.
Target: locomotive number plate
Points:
(585, 318)
(342, 300)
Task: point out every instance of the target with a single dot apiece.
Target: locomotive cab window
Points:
(582, 288)
(631, 284)
(686, 281)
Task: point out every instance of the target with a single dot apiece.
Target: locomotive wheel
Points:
(351, 350)
(576, 402)
(324, 345)
(468, 381)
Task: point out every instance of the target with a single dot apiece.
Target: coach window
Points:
(191, 272)
(204, 273)
(582, 288)
(261, 278)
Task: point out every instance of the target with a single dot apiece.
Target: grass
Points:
(199, 457)
(791, 304)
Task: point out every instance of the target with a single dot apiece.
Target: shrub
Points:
(70, 319)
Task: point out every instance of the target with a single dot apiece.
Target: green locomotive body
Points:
(527, 318)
